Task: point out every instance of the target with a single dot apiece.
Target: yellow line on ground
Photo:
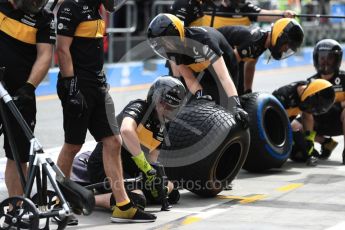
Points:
(252, 199)
(114, 89)
(47, 97)
(244, 199)
(289, 187)
(231, 197)
(191, 220)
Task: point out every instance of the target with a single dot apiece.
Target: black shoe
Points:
(174, 196)
(327, 148)
(311, 161)
(138, 200)
(344, 157)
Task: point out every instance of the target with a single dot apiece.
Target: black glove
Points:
(24, 96)
(200, 95)
(234, 106)
(70, 95)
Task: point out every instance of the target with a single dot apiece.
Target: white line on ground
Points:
(339, 226)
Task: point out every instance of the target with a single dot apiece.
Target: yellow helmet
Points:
(318, 97)
(286, 37)
(165, 31)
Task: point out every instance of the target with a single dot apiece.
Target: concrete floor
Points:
(293, 197)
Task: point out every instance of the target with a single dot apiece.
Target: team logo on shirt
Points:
(195, 51)
(337, 81)
(60, 26)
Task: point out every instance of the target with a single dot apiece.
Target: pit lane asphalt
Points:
(293, 197)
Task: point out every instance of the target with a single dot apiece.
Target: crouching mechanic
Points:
(305, 97)
(327, 56)
(27, 36)
(201, 51)
(143, 129)
(85, 100)
(283, 40)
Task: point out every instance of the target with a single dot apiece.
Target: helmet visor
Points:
(287, 53)
(157, 46)
(319, 103)
(170, 105)
(327, 62)
(167, 110)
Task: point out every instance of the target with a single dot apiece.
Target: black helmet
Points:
(327, 56)
(318, 97)
(285, 31)
(168, 92)
(30, 6)
(165, 31)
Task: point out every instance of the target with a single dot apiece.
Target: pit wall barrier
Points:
(139, 73)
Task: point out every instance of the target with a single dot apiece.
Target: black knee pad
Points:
(174, 196)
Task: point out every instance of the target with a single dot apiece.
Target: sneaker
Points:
(311, 161)
(327, 148)
(131, 214)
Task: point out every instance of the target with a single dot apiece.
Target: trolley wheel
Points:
(52, 199)
(19, 213)
(52, 204)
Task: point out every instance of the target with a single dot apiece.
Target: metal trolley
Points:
(25, 212)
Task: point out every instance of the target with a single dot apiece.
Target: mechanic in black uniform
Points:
(327, 56)
(285, 37)
(201, 51)
(221, 13)
(305, 98)
(143, 129)
(85, 100)
(217, 13)
(187, 11)
(27, 36)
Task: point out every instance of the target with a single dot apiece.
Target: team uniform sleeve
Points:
(280, 95)
(253, 45)
(211, 49)
(135, 110)
(46, 31)
(67, 19)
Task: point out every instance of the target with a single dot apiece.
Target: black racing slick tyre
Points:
(270, 132)
(205, 148)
